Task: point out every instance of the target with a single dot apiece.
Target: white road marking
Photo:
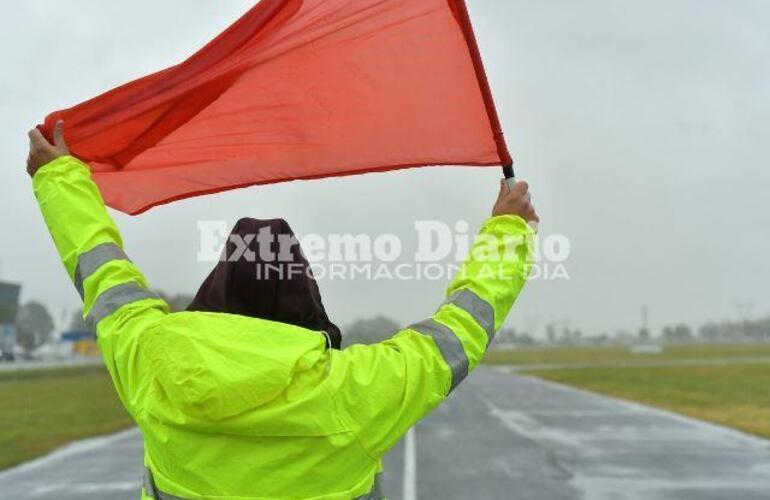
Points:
(410, 466)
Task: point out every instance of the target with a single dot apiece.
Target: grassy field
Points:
(43, 409)
(620, 355)
(733, 395)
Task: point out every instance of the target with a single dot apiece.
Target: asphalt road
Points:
(500, 436)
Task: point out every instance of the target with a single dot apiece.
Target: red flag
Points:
(295, 89)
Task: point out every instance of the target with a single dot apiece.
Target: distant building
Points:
(9, 306)
(79, 343)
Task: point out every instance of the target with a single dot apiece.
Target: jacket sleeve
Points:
(386, 388)
(117, 304)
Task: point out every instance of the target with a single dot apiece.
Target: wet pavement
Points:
(500, 436)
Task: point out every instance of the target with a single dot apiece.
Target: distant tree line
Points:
(747, 330)
(678, 334)
(35, 326)
(723, 331)
(369, 331)
(377, 329)
(757, 330)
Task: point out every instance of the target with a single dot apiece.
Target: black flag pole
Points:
(509, 174)
(464, 18)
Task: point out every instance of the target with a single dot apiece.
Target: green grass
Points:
(41, 410)
(733, 395)
(619, 355)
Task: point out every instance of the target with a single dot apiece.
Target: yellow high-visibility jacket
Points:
(236, 408)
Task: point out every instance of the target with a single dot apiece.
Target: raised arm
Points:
(386, 388)
(117, 304)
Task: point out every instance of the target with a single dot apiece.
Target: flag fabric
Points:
(295, 89)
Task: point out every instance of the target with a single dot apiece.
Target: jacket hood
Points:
(264, 274)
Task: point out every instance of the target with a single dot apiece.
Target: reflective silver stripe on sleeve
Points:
(479, 309)
(152, 490)
(113, 299)
(93, 259)
(450, 346)
(147, 484)
(376, 493)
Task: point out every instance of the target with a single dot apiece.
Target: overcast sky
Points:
(641, 126)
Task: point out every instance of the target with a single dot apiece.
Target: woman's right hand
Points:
(516, 201)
